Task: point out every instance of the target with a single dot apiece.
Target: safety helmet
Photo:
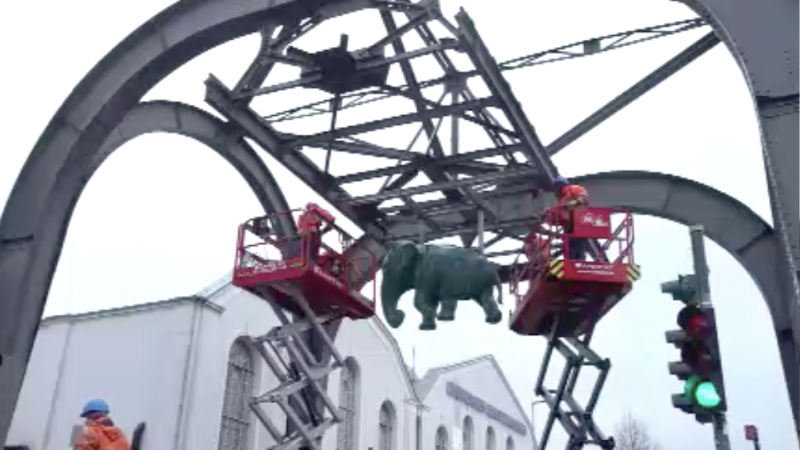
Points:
(560, 181)
(95, 406)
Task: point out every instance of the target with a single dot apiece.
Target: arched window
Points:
(441, 439)
(509, 443)
(386, 424)
(348, 400)
(467, 433)
(235, 429)
(491, 439)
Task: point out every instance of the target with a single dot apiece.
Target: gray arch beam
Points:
(27, 261)
(769, 62)
(727, 221)
(38, 210)
(192, 122)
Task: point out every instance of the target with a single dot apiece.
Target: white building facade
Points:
(472, 407)
(183, 368)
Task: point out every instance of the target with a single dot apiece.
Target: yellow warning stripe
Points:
(556, 268)
(634, 272)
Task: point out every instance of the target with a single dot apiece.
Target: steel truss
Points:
(466, 181)
(463, 180)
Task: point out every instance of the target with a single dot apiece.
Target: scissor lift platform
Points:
(283, 280)
(577, 302)
(329, 280)
(576, 292)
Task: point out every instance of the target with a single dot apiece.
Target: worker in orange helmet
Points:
(99, 431)
(570, 197)
(309, 225)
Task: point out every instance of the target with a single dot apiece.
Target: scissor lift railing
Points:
(282, 270)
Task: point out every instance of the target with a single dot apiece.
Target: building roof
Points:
(427, 382)
(125, 310)
(216, 286)
(204, 297)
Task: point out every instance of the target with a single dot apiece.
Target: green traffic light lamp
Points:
(702, 392)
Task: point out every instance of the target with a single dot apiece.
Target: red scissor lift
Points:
(318, 281)
(563, 298)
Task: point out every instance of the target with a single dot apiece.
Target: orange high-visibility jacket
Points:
(101, 434)
(311, 218)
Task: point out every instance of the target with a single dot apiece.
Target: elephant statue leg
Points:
(448, 310)
(486, 300)
(428, 312)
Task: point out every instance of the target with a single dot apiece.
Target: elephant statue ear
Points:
(391, 248)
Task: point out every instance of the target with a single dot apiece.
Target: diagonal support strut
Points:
(646, 84)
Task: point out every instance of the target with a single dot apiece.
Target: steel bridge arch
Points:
(189, 121)
(729, 223)
(38, 210)
(144, 118)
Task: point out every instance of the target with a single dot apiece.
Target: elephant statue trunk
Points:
(390, 295)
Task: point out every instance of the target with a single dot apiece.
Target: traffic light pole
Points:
(720, 421)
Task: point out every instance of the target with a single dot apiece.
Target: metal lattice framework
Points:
(432, 186)
(469, 90)
(476, 190)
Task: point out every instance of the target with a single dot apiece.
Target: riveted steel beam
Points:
(533, 149)
(390, 122)
(222, 100)
(646, 84)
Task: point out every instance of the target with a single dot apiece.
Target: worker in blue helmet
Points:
(99, 431)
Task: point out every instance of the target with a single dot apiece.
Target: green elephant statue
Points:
(439, 275)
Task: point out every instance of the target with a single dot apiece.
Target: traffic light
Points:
(700, 367)
(683, 289)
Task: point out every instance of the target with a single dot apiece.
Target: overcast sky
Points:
(159, 218)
